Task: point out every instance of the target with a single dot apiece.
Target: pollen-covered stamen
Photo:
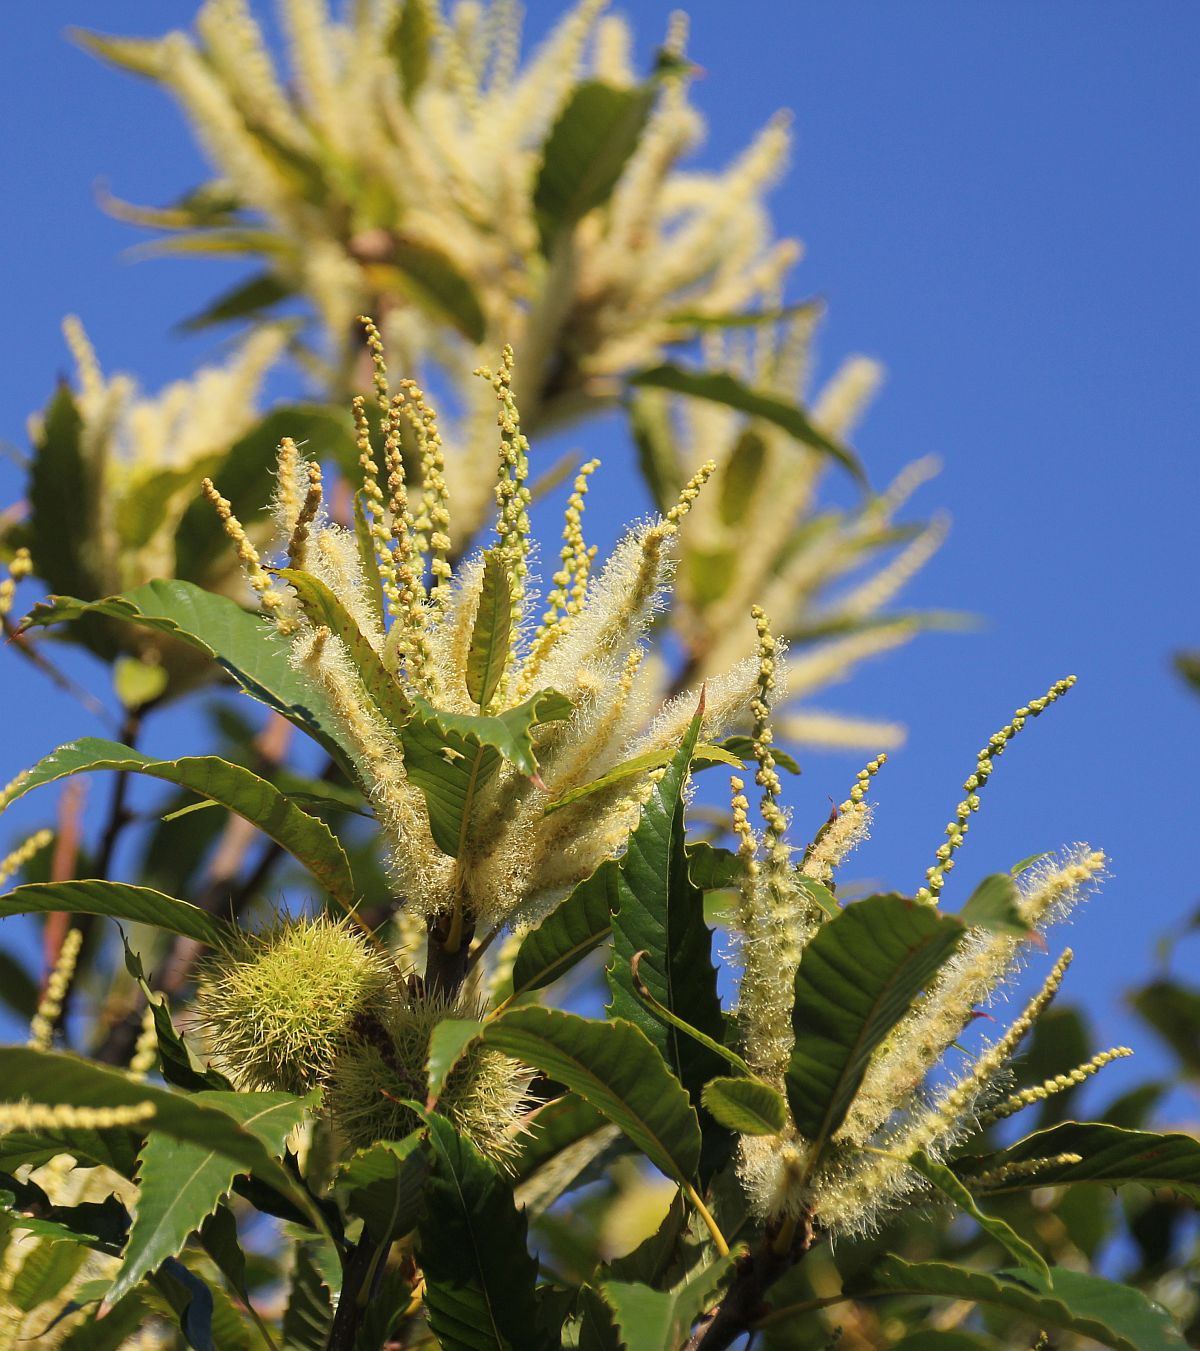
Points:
(19, 567)
(433, 522)
(49, 1009)
(1058, 1083)
(566, 599)
(767, 776)
(956, 831)
(512, 493)
(260, 579)
(375, 511)
(379, 375)
(413, 640)
(297, 548)
(1018, 1168)
(14, 861)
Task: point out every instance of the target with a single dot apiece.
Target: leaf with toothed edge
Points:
(183, 1182)
(1114, 1315)
(453, 757)
(120, 900)
(856, 980)
(577, 926)
(248, 646)
(307, 838)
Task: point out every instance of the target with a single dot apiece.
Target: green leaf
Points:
(745, 319)
(409, 44)
(1110, 1154)
(1113, 1315)
(249, 647)
(739, 477)
(388, 1303)
(453, 757)
(429, 277)
(650, 1320)
(44, 1272)
(322, 608)
(1188, 666)
(479, 1276)
(182, 1182)
(586, 153)
(995, 905)
(643, 764)
(557, 1126)
(492, 633)
(58, 1077)
(1004, 1234)
(747, 1106)
(857, 979)
(574, 928)
(743, 748)
(818, 893)
(61, 524)
(613, 1067)
(306, 838)
(140, 905)
(661, 914)
(309, 1314)
(369, 560)
(448, 1040)
(179, 1067)
(247, 299)
(18, 989)
(713, 869)
(383, 1186)
(721, 387)
(1173, 1011)
(658, 456)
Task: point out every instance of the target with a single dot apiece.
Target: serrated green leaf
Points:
(479, 1276)
(747, 1106)
(453, 757)
(1110, 1154)
(661, 914)
(712, 868)
(250, 648)
(995, 905)
(1004, 1234)
(322, 608)
(308, 839)
(491, 635)
(613, 1067)
(574, 928)
(1113, 1315)
(182, 1181)
(57, 1077)
(586, 153)
(721, 387)
(557, 1126)
(856, 980)
(309, 1314)
(383, 1186)
(650, 1320)
(141, 905)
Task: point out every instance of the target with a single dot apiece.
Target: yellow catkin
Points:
(1058, 1083)
(512, 491)
(566, 599)
(13, 863)
(379, 373)
(297, 548)
(985, 763)
(54, 1116)
(1009, 1172)
(433, 524)
(19, 567)
(260, 579)
(374, 508)
(767, 776)
(145, 1052)
(49, 1009)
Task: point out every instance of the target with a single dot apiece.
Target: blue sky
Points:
(999, 202)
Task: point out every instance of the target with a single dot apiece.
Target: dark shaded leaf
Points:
(1173, 1011)
(574, 928)
(721, 387)
(491, 635)
(247, 299)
